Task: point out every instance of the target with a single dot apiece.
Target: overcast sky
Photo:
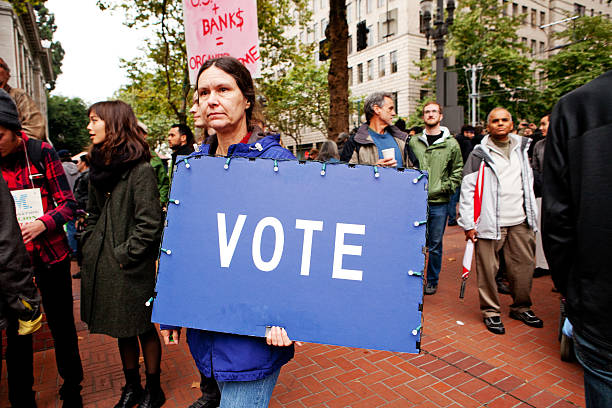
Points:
(94, 42)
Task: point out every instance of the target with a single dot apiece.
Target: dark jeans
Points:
(597, 364)
(452, 206)
(19, 363)
(436, 223)
(55, 285)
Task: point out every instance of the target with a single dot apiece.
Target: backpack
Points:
(34, 150)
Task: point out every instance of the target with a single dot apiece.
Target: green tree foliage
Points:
(162, 72)
(301, 100)
(21, 6)
(68, 123)
(159, 87)
(47, 27)
(480, 33)
(586, 55)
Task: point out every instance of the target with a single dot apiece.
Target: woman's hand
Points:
(32, 229)
(171, 336)
(277, 336)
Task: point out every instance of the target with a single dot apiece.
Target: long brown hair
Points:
(123, 137)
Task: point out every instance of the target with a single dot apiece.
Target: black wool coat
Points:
(120, 247)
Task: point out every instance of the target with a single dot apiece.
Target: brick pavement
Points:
(461, 363)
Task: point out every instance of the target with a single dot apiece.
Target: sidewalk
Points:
(461, 364)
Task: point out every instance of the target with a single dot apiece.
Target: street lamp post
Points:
(437, 33)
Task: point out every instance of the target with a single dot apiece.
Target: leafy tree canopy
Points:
(586, 55)
(68, 123)
(482, 34)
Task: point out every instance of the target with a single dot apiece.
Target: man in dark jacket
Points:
(180, 140)
(45, 239)
(577, 225)
(16, 285)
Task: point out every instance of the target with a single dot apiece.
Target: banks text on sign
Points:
(215, 28)
(334, 258)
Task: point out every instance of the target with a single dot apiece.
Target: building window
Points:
(534, 17)
(322, 4)
(369, 6)
(533, 47)
(381, 66)
(579, 9)
(393, 58)
(524, 13)
(349, 13)
(350, 44)
(359, 73)
(350, 76)
(370, 35)
(422, 55)
(542, 47)
(423, 94)
(324, 24)
(387, 25)
(395, 100)
(380, 3)
(370, 70)
(504, 8)
(314, 5)
(542, 18)
(315, 31)
(514, 10)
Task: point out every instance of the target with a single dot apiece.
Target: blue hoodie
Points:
(232, 357)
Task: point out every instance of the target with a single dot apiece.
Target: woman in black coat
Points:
(120, 246)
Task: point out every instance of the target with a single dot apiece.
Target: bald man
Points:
(508, 219)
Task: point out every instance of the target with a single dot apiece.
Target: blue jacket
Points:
(231, 357)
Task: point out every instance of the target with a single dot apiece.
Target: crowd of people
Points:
(488, 180)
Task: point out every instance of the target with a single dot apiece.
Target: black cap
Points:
(9, 118)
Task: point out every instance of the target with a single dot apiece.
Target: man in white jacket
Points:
(507, 219)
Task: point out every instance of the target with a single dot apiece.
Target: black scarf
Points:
(104, 176)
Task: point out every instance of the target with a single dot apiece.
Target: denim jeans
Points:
(452, 206)
(436, 223)
(70, 233)
(597, 364)
(248, 394)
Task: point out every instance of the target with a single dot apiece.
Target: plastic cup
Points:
(388, 153)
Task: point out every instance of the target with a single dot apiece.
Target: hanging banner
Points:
(333, 253)
(217, 28)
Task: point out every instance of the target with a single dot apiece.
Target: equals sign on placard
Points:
(219, 40)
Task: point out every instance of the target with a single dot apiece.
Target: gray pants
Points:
(518, 243)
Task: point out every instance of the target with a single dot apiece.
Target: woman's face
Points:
(222, 104)
(198, 121)
(96, 128)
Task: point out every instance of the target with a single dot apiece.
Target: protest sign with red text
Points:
(215, 28)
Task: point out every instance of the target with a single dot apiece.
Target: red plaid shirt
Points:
(51, 246)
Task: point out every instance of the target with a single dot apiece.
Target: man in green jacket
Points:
(438, 153)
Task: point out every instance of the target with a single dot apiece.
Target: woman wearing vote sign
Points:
(245, 367)
(120, 247)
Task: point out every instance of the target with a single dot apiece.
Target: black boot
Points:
(154, 396)
(130, 396)
(132, 392)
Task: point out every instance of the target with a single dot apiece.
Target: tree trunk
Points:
(337, 77)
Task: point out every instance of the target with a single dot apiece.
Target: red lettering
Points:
(195, 4)
(253, 52)
(222, 22)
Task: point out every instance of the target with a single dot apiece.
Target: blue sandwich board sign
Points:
(332, 253)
